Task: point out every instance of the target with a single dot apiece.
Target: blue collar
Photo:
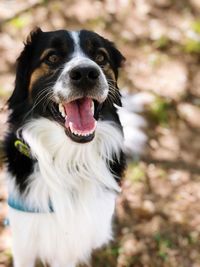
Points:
(21, 206)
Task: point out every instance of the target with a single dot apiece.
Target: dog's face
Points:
(67, 77)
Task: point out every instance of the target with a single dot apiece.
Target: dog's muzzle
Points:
(80, 91)
(84, 77)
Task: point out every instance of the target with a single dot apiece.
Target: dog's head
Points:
(67, 77)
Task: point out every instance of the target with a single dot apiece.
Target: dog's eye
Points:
(53, 58)
(101, 58)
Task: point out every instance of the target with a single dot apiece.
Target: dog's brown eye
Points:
(101, 58)
(53, 58)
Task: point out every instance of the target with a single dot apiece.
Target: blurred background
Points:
(158, 212)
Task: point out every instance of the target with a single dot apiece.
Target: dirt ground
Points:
(157, 220)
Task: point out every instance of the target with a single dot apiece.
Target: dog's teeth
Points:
(80, 133)
(92, 107)
(71, 126)
(62, 110)
(60, 107)
(63, 114)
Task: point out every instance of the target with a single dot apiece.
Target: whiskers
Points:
(113, 93)
(45, 96)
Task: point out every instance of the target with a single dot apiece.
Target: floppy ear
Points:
(117, 59)
(20, 92)
(116, 55)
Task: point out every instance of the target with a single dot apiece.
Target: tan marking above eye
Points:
(46, 52)
(104, 51)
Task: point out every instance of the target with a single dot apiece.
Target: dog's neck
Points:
(65, 166)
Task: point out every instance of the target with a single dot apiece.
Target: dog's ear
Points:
(117, 59)
(116, 55)
(33, 35)
(20, 92)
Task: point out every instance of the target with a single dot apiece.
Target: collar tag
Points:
(22, 148)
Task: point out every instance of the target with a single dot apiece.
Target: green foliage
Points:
(159, 110)
(163, 244)
(45, 2)
(193, 238)
(192, 46)
(112, 251)
(162, 42)
(196, 26)
(135, 173)
(19, 22)
(107, 255)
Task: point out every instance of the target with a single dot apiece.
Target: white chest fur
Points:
(47, 237)
(77, 180)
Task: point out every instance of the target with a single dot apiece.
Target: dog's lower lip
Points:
(79, 138)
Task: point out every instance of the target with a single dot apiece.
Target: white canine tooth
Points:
(71, 126)
(92, 107)
(62, 110)
(60, 107)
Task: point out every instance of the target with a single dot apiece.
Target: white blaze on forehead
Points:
(75, 35)
(78, 58)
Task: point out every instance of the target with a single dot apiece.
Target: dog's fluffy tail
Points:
(133, 122)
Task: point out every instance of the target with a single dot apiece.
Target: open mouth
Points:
(79, 117)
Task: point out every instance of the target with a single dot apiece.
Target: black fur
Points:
(18, 164)
(22, 100)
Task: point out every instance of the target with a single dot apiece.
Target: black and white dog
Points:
(64, 147)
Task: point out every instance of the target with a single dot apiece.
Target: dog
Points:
(64, 147)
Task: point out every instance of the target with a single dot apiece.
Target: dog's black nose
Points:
(84, 76)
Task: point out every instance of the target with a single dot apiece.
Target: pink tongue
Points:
(79, 113)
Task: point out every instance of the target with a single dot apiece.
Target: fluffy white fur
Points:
(76, 179)
(134, 124)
